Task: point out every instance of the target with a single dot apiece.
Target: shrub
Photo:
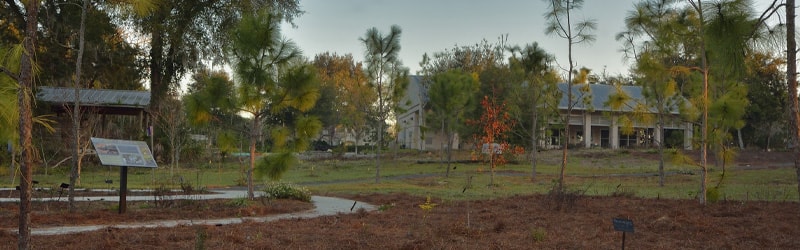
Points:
(280, 190)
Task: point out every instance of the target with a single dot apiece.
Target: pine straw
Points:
(510, 223)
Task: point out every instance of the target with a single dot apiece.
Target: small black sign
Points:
(623, 225)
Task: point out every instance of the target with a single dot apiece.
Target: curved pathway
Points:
(323, 206)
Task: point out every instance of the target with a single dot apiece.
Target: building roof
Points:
(109, 100)
(599, 95)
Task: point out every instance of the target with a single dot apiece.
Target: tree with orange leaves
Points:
(495, 123)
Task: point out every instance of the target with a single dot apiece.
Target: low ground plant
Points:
(281, 190)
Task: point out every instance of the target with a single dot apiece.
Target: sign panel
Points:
(623, 225)
(123, 153)
(496, 147)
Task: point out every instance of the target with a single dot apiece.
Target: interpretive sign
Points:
(123, 153)
(623, 225)
(495, 148)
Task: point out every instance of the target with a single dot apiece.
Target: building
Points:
(592, 123)
(412, 131)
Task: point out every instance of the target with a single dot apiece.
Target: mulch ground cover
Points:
(520, 222)
(52, 213)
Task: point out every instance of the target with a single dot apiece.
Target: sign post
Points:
(124, 154)
(623, 225)
(123, 189)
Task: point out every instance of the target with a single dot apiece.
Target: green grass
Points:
(614, 173)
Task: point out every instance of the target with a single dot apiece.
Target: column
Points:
(657, 135)
(587, 130)
(614, 133)
(420, 123)
(688, 134)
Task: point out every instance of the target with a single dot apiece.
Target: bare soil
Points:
(520, 222)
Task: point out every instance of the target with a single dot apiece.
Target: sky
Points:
(430, 26)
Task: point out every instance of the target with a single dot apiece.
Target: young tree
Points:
(76, 109)
(274, 88)
(495, 123)
(387, 75)
(654, 70)
(727, 34)
(208, 110)
(560, 23)
(659, 89)
(172, 121)
(450, 94)
(531, 67)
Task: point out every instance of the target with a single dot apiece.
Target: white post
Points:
(657, 136)
(688, 133)
(614, 133)
(587, 130)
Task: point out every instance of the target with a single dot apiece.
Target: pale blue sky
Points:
(435, 25)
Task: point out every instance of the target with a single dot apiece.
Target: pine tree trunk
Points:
(381, 120)
(491, 164)
(450, 138)
(704, 130)
(378, 153)
(660, 127)
(449, 143)
(254, 135)
(534, 139)
(791, 77)
(25, 123)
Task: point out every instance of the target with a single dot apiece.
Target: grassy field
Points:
(591, 172)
